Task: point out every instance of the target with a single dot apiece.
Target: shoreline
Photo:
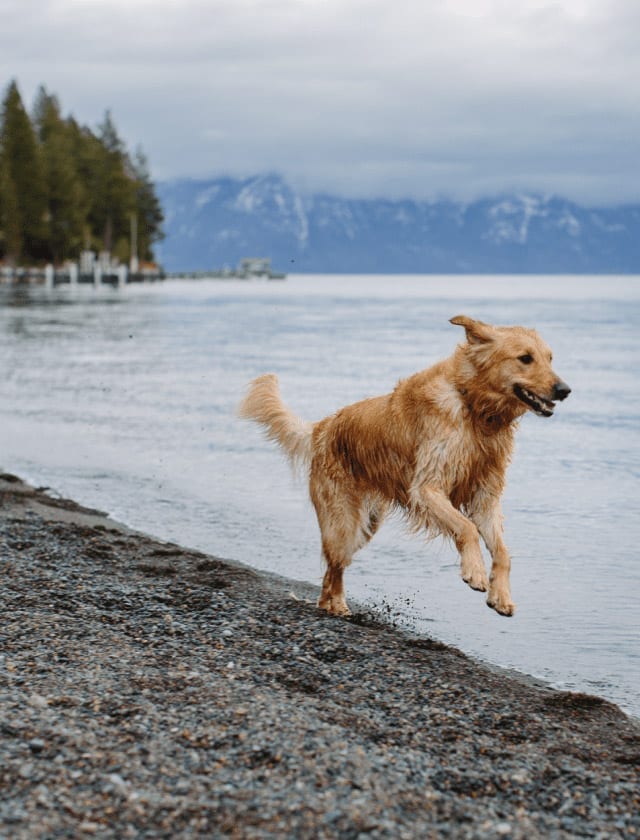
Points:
(152, 690)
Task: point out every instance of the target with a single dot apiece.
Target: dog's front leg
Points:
(438, 511)
(486, 512)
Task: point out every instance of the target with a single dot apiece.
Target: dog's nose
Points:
(561, 390)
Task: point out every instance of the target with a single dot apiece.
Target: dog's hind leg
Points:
(332, 598)
(434, 509)
(346, 523)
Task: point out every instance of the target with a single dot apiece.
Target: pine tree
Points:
(148, 208)
(24, 206)
(86, 152)
(10, 230)
(65, 206)
(42, 105)
(115, 197)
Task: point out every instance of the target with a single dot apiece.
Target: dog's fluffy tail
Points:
(263, 404)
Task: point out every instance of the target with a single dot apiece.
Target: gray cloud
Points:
(362, 97)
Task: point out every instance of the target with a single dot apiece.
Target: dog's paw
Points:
(334, 606)
(501, 603)
(476, 578)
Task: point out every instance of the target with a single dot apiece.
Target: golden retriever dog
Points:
(437, 448)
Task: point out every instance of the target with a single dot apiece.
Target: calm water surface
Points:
(125, 400)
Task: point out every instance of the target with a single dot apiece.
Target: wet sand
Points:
(147, 690)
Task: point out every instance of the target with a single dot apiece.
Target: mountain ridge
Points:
(215, 222)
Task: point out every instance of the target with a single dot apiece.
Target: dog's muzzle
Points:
(542, 406)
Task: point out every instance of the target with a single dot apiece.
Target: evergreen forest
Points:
(65, 188)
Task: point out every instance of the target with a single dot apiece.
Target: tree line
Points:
(65, 188)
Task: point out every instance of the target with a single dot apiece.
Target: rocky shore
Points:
(147, 690)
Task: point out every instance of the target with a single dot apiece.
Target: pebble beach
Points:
(152, 691)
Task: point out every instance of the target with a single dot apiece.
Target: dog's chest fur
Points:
(457, 451)
(460, 460)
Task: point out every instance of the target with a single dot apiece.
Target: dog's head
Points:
(512, 364)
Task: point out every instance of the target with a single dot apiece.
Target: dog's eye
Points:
(526, 359)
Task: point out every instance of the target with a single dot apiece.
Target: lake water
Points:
(125, 400)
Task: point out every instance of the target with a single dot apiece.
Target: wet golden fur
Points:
(437, 447)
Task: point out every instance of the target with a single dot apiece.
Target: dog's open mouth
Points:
(541, 406)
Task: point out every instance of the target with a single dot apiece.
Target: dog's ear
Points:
(477, 331)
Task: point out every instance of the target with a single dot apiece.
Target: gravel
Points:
(147, 690)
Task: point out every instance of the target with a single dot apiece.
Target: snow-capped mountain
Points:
(213, 223)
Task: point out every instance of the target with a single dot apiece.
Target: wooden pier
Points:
(71, 275)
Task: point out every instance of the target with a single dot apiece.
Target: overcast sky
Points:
(358, 97)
